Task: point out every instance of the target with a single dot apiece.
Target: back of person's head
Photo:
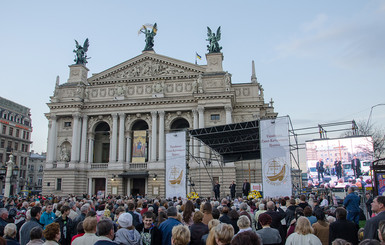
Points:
(207, 208)
(180, 235)
(198, 217)
(36, 233)
(303, 226)
(381, 230)
(270, 205)
(172, 212)
(233, 214)
(79, 228)
(131, 206)
(302, 198)
(307, 211)
(224, 233)
(319, 214)
(243, 222)
(225, 210)
(213, 223)
(51, 231)
(370, 242)
(89, 224)
(35, 211)
(215, 213)
(264, 219)
(341, 213)
(340, 241)
(292, 201)
(261, 206)
(243, 206)
(85, 208)
(64, 209)
(104, 227)
(298, 212)
(10, 230)
(360, 234)
(246, 238)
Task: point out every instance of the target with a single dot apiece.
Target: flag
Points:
(198, 56)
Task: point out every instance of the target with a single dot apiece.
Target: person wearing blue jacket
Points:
(352, 205)
(48, 216)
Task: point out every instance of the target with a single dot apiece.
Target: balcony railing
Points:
(99, 165)
(138, 165)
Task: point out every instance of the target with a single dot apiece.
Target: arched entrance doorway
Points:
(102, 143)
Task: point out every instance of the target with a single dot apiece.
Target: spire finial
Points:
(253, 76)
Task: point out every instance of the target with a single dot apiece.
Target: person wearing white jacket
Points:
(303, 234)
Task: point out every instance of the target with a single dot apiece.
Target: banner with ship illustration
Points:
(275, 154)
(176, 164)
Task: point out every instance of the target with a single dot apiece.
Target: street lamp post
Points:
(8, 176)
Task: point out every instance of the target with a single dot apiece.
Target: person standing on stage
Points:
(356, 166)
(232, 189)
(338, 168)
(246, 188)
(320, 169)
(217, 189)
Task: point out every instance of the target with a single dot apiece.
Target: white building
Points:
(107, 131)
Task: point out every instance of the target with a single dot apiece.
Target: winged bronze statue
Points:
(150, 33)
(80, 52)
(213, 39)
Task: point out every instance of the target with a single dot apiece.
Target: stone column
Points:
(54, 138)
(161, 136)
(121, 137)
(128, 147)
(75, 132)
(154, 135)
(84, 139)
(228, 109)
(91, 148)
(114, 137)
(90, 186)
(195, 126)
(51, 147)
(201, 110)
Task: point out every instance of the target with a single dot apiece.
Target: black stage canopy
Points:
(234, 142)
(134, 174)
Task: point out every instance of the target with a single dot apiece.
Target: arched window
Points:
(179, 125)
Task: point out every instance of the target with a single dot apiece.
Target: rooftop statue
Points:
(213, 39)
(150, 34)
(80, 52)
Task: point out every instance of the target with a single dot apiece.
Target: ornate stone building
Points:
(95, 124)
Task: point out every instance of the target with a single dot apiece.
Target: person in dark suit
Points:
(246, 188)
(217, 190)
(343, 228)
(276, 217)
(356, 166)
(232, 189)
(371, 225)
(320, 169)
(338, 168)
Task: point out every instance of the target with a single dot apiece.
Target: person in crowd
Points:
(234, 216)
(80, 231)
(3, 220)
(308, 212)
(73, 214)
(324, 203)
(27, 227)
(105, 230)
(340, 241)
(321, 227)
(381, 231)
(188, 213)
(66, 226)
(261, 210)
(244, 224)
(343, 228)
(243, 211)
(198, 229)
(370, 242)
(223, 234)
(298, 213)
(135, 216)
(166, 226)
(150, 233)
(89, 237)
(207, 213)
(217, 190)
(302, 202)
(290, 212)
(246, 188)
(371, 225)
(303, 234)
(51, 234)
(246, 238)
(368, 203)
(352, 205)
(180, 235)
(338, 168)
(127, 234)
(356, 166)
(10, 234)
(209, 239)
(267, 234)
(276, 217)
(232, 188)
(320, 169)
(48, 216)
(36, 236)
(162, 216)
(83, 213)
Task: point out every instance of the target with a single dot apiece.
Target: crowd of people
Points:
(306, 219)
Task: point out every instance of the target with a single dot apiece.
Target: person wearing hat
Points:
(127, 234)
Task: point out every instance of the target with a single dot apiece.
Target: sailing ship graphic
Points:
(275, 171)
(175, 175)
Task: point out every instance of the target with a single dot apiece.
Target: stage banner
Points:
(139, 146)
(176, 164)
(275, 154)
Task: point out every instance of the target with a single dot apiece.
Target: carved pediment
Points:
(146, 66)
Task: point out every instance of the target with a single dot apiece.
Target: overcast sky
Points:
(320, 61)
